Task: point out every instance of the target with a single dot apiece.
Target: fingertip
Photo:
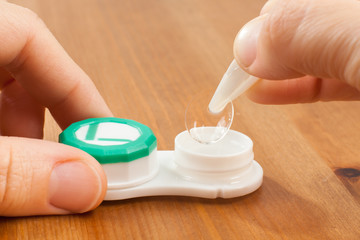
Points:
(254, 52)
(289, 44)
(245, 43)
(270, 4)
(46, 178)
(77, 186)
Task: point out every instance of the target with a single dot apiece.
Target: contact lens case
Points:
(127, 151)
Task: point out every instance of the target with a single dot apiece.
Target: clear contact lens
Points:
(203, 125)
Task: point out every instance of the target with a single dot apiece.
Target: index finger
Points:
(38, 62)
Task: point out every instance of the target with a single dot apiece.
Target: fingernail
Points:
(245, 44)
(75, 187)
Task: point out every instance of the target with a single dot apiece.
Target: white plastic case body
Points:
(223, 169)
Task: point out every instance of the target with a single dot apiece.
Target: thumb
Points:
(39, 177)
(303, 37)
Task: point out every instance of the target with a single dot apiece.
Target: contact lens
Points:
(203, 125)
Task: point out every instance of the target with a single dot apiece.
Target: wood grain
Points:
(148, 59)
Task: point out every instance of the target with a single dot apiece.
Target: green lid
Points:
(110, 140)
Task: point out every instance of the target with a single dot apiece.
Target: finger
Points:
(5, 78)
(39, 177)
(303, 37)
(20, 114)
(301, 90)
(42, 67)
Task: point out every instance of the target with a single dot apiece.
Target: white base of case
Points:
(172, 179)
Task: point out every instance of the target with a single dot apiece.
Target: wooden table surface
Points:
(148, 58)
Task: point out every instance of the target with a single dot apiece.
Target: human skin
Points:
(310, 49)
(39, 177)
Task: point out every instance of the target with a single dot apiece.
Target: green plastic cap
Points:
(110, 140)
